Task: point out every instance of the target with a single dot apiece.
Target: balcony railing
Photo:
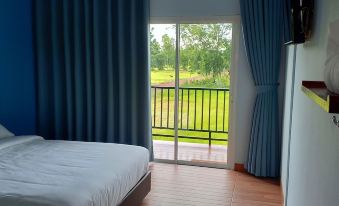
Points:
(201, 110)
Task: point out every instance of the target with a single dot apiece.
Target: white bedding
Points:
(34, 171)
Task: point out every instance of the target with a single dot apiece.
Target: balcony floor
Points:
(190, 152)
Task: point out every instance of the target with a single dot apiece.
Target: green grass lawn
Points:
(165, 76)
(188, 111)
(209, 82)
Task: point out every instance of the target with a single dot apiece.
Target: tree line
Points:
(205, 49)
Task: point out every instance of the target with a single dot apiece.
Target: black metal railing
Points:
(202, 110)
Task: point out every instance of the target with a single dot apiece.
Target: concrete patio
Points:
(190, 152)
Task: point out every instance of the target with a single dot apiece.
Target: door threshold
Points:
(209, 164)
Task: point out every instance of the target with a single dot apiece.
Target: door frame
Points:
(236, 24)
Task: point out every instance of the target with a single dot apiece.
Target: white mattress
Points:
(34, 171)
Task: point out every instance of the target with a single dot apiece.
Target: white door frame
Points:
(235, 21)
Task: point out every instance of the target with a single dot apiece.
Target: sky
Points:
(161, 29)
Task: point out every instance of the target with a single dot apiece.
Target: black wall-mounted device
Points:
(301, 20)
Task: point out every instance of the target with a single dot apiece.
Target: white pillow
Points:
(4, 132)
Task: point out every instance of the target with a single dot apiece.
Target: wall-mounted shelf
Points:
(318, 92)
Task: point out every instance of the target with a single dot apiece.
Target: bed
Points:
(34, 171)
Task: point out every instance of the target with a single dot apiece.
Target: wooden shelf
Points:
(318, 92)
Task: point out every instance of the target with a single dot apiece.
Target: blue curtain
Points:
(262, 22)
(93, 78)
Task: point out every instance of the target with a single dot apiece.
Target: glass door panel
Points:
(205, 56)
(162, 44)
(199, 70)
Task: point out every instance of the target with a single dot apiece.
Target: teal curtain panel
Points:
(262, 22)
(93, 76)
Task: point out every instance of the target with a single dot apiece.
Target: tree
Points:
(168, 48)
(157, 56)
(206, 48)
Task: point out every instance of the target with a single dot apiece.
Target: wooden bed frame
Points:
(139, 192)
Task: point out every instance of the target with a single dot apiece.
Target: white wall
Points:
(193, 9)
(244, 98)
(314, 162)
(287, 114)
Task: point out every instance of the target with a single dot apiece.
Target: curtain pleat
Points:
(263, 27)
(93, 70)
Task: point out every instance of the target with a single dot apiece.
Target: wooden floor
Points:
(178, 185)
(190, 152)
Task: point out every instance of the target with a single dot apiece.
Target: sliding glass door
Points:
(190, 92)
(163, 60)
